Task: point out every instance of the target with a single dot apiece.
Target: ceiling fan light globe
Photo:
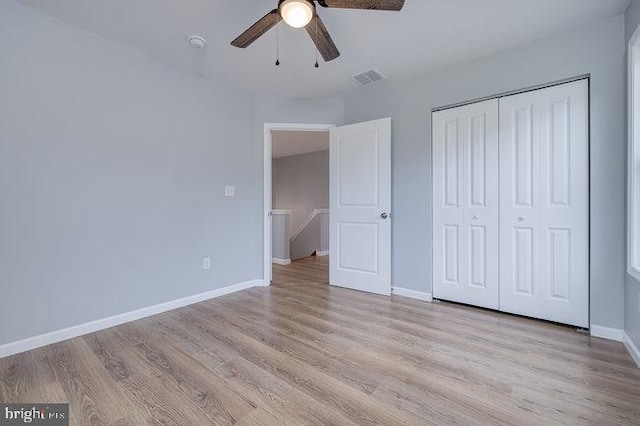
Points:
(296, 13)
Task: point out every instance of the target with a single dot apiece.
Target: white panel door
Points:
(360, 199)
(544, 204)
(465, 204)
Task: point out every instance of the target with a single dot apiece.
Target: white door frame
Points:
(268, 127)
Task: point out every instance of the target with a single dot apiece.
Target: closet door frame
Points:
(498, 96)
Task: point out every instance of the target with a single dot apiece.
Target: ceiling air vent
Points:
(369, 77)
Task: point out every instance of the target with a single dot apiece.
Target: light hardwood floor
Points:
(302, 352)
(313, 269)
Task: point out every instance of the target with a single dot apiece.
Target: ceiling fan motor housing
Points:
(296, 13)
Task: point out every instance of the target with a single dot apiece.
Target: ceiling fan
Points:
(302, 13)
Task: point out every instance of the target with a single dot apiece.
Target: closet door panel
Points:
(565, 197)
(544, 204)
(519, 202)
(465, 204)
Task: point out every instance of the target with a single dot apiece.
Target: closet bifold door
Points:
(465, 204)
(544, 204)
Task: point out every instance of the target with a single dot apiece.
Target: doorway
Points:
(300, 206)
(296, 195)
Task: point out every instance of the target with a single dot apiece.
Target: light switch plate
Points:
(229, 191)
(206, 263)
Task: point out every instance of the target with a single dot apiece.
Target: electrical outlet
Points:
(206, 263)
(229, 191)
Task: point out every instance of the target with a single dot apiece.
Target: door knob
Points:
(384, 215)
(522, 218)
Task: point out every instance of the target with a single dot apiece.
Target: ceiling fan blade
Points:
(322, 39)
(257, 29)
(363, 4)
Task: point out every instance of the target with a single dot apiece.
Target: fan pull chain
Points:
(278, 42)
(317, 65)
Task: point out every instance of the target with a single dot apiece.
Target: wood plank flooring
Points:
(312, 269)
(302, 352)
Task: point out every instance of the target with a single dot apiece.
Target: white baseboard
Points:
(606, 332)
(280, 261)
(412, 294)
(632, 348)
(322, 253)
(29, 343)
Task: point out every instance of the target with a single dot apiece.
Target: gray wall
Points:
(280, 248)
(632, 320)
(112, 174)
(273, 109)
(597, 49)
(301, 183)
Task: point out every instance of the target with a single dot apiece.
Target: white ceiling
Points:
(287, 143)
(426, 35)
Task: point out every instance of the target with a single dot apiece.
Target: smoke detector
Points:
(197, 42)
